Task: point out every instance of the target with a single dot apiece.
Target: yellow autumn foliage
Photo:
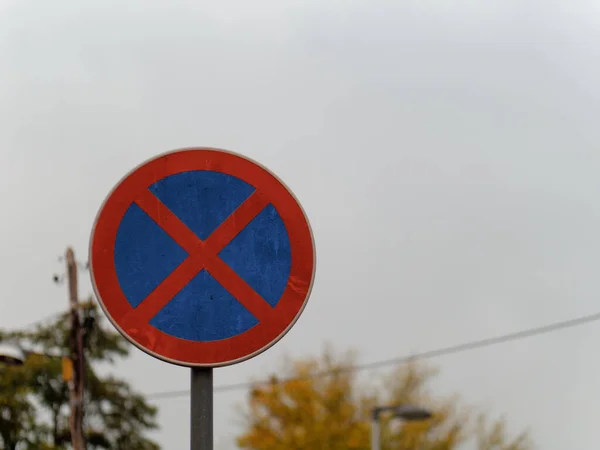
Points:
(322, 404)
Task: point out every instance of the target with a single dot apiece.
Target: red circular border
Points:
(193, 353)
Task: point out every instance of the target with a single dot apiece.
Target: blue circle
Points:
(145, 255)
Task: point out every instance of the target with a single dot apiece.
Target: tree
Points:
(35, 399)
(321, 405)
(17, 414)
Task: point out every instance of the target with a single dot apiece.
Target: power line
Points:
(472, 345)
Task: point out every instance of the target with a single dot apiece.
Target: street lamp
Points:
(404, 412)
(11, 355)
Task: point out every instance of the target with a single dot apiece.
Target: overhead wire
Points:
(443, 351)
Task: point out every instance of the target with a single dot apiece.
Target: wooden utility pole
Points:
(76, 386)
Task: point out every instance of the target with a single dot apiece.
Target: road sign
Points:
(202, 258)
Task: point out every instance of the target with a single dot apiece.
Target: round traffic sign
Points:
(202, 257)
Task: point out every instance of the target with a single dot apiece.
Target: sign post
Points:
(202, 408)
(202, 258)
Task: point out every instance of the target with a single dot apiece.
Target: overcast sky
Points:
(446, 153)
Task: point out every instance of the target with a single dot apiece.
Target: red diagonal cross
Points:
(202, 255)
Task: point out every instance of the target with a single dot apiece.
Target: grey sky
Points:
(446, 154)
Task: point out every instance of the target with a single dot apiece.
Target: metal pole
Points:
(202, 408)
(375, 442)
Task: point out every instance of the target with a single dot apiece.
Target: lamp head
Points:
(11, 355)
(404, 412)
(410, 413)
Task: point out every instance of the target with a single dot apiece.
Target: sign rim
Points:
(177, 362)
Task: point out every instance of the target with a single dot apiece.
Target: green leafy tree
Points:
(17, 414)
(34, 398)
(332, 412)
